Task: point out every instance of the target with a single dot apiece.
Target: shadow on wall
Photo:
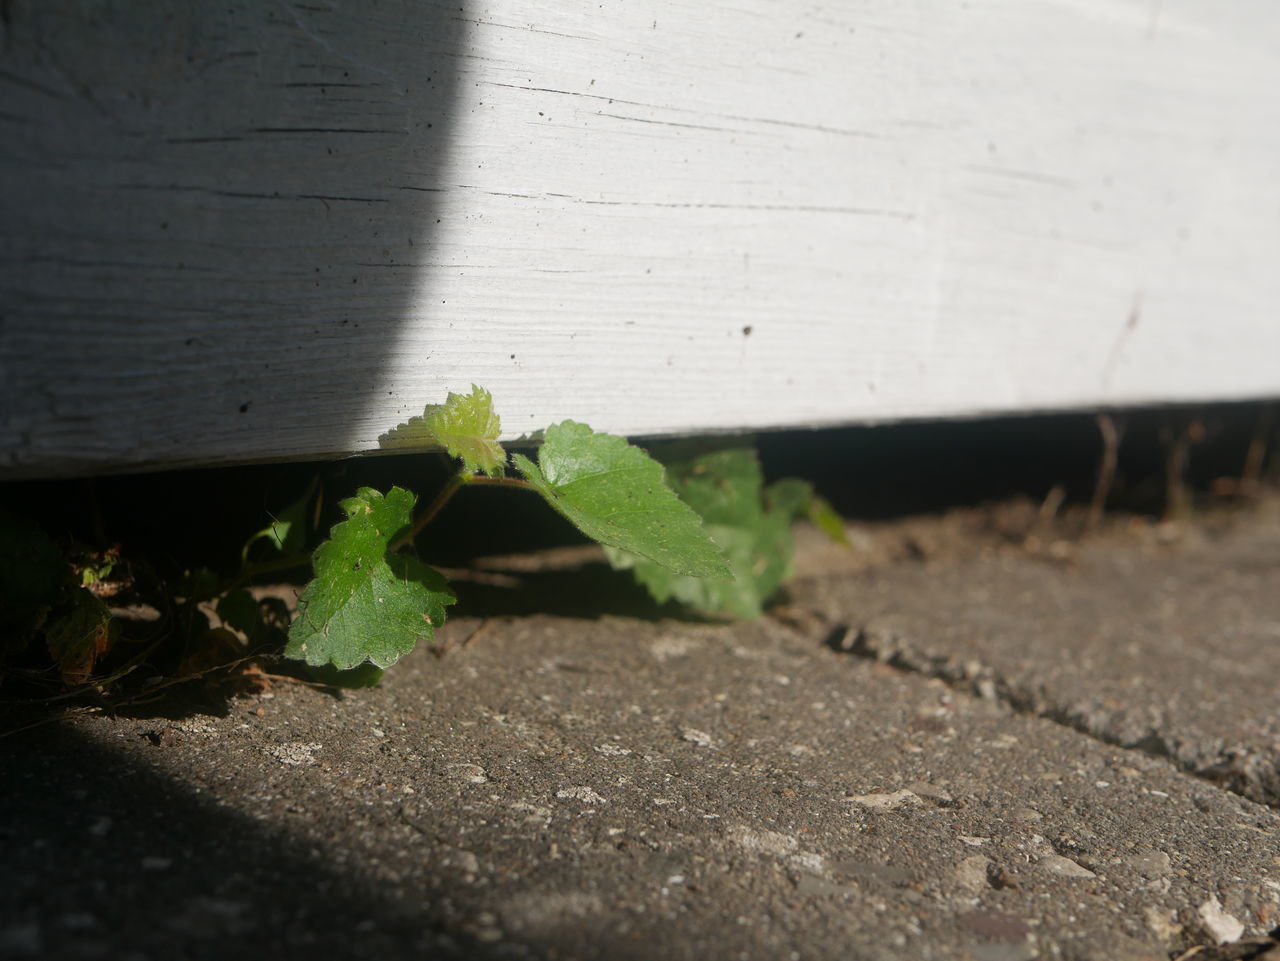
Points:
(211, 201)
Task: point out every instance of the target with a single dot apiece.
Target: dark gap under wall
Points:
(880, 472)
(186, 519)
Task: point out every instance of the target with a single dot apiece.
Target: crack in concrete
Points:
(1248, 772)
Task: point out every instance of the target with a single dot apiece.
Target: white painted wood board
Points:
(265, 230)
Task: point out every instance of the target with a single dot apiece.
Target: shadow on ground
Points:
(590, 590)
(105, 858)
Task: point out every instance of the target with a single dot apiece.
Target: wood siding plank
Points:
(275, 230)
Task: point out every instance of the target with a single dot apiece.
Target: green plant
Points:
(703, 530)
(372, 602)
(750, 523)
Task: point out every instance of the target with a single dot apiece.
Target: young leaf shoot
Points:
(466, 426)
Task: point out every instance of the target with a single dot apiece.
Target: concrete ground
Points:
(965, 740)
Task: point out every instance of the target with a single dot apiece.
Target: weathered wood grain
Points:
(272, 230)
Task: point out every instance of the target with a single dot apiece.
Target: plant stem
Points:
(423, 519)
(498, 481)
(447, 492)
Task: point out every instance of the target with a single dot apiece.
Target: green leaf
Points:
(796, 498)
(287, 533)
(724, 487)
(759, 558)
(364, 603)
(615, 494)
(790, 496)
(824, 517)
(96, 566)
(466, 426)
(80, 636)
(751, 524)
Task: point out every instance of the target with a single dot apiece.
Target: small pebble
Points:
(1149, 863)
(1057, 864)
(583, 793)
(971, 873)
(612, 750)
(1162, 922)
(884, 802)
(294, 753)
(471, 773)
(762, 842)
(931, 791)
(1219, 925)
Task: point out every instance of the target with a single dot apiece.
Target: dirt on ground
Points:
(988, 736)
